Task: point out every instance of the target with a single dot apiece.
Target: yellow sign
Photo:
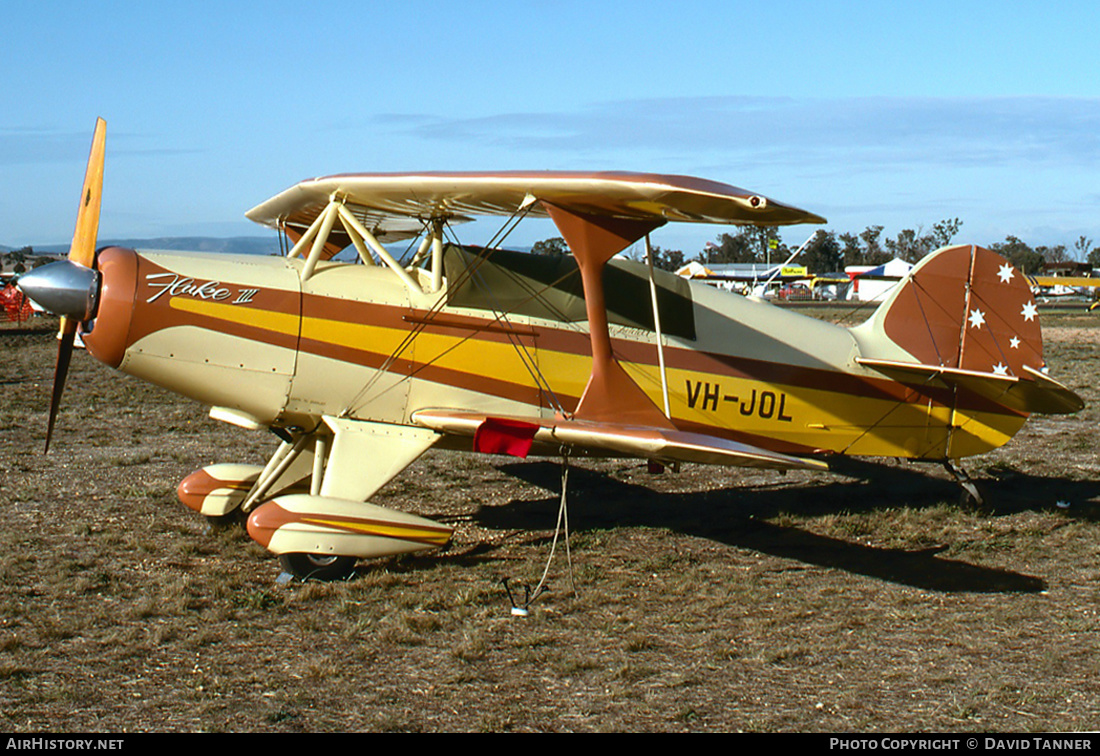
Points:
(793, 270)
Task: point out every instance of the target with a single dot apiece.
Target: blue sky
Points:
(900, 115)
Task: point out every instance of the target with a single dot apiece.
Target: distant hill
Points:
(238, 245)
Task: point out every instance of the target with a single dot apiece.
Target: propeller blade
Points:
(82, 250)
(82, 253)
(64, 355)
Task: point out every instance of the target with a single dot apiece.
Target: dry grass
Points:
(707, 600)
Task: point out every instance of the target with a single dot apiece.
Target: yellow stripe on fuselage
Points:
(826, 419)
(464, 354)
(267, 320)
(807, 417)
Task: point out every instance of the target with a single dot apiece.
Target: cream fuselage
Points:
(248, 335)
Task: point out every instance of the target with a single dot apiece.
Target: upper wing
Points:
(663, 445)
(598, 214)
(385, 202)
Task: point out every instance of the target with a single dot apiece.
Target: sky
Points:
(891, 114)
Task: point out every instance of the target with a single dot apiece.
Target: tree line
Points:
(826, 252)
(829, 251)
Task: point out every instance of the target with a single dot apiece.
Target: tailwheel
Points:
(325, 567)
(971, 494)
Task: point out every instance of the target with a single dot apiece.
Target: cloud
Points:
(42, 146)
(1021, 165)
(23, 146)
(860, 132)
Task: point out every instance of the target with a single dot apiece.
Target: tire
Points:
(218, 523)
(325, 567)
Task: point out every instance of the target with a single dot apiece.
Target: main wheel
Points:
(218, 523)
(317, 566)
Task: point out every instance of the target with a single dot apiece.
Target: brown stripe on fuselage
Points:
(574, 341)
(568, 341)
(771, 443)
(485, 384)
(399, 317)
(150, 317)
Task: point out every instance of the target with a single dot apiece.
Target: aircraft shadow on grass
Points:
(738, 516)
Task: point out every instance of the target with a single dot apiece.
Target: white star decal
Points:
(977, 318)
(1030, 311)
(1000, 369)
(1014, 342)
(1005, 273)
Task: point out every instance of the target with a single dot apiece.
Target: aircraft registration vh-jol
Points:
(360, 367)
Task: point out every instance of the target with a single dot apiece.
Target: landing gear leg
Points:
(971, 495)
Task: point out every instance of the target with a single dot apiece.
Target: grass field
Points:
(709, 600)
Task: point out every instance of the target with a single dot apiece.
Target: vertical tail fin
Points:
(966, 315)
(966, 308)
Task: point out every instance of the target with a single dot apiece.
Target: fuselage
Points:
(250, 335)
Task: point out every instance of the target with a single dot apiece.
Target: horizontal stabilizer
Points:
(657, 444)
(1038, 393)
(964, 317)
(1061, 398)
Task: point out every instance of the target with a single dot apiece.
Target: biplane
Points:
(360, 367)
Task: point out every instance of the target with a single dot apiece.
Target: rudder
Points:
(967, 316)
(968, 308)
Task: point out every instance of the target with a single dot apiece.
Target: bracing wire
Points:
(507, 227)
(471, 271)
(561, 530)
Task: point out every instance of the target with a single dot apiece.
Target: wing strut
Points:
(434, 242)
(657, 328)
(317, 237)
(610, 394)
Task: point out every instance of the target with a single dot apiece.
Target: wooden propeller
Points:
(81, 252)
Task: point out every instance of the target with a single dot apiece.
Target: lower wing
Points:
(515, 435)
